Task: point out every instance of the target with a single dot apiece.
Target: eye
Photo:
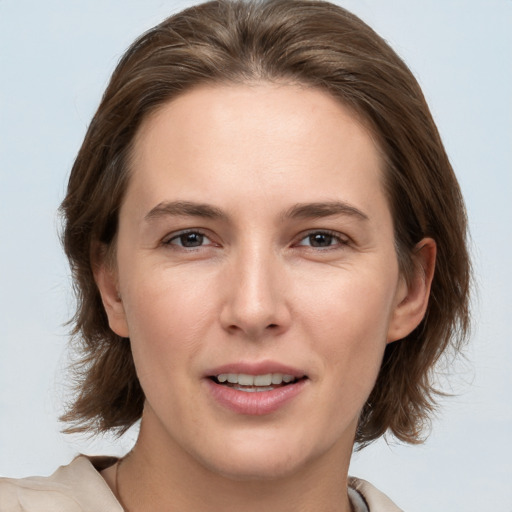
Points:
(188, 239)
(322, 239)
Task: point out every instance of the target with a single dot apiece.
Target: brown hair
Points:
(298, 41)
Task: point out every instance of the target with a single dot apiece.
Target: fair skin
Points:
(255, 238)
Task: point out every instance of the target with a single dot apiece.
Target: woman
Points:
(268, 242)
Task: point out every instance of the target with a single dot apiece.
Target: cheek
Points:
(347, 321)
(167, 316)
(348, 303)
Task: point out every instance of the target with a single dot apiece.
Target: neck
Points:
(152, 478)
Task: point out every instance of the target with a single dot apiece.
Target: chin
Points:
(257, 460)
(262, 469)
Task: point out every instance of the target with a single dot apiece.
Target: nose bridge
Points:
(255, 302)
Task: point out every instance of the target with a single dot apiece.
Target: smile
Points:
(254, 383)
(255, 391)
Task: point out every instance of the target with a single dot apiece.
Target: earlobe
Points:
(413, 295)
(106, 281)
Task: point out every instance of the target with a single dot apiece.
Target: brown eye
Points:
(321, 239)
(188, 240)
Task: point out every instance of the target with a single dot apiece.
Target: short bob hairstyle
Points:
(315, 44)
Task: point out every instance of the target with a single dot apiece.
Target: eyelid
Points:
(341, 238)
(167, 240)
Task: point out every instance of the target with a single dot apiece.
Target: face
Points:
(256, 277)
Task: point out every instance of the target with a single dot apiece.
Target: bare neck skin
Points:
(152, 478)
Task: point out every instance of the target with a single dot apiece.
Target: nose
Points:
(255, 304)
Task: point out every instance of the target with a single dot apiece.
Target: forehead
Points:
(249, 141)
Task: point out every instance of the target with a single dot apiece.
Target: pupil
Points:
(191, 239)
(320, 240)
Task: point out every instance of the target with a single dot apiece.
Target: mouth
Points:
(255, 383)
(255, 388)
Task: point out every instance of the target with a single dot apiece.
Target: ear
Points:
(105, 275)
(412, 295)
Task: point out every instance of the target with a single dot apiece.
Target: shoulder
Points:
(375, 500)
(73, 488)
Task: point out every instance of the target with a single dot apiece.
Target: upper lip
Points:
(255, 368)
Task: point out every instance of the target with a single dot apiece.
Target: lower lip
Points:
(255, 403)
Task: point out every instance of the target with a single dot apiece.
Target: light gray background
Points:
(55, 59)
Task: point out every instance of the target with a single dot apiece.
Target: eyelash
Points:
(177, 236)
(334, 236)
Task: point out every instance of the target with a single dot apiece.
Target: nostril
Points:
(271, 326)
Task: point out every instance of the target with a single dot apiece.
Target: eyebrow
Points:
(185, 209)
(298, 211)
(324, 209)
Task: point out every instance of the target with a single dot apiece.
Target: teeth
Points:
(254, 389)
(244, 379)
(262, 380)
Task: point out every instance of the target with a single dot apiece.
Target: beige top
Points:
(79, 487)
